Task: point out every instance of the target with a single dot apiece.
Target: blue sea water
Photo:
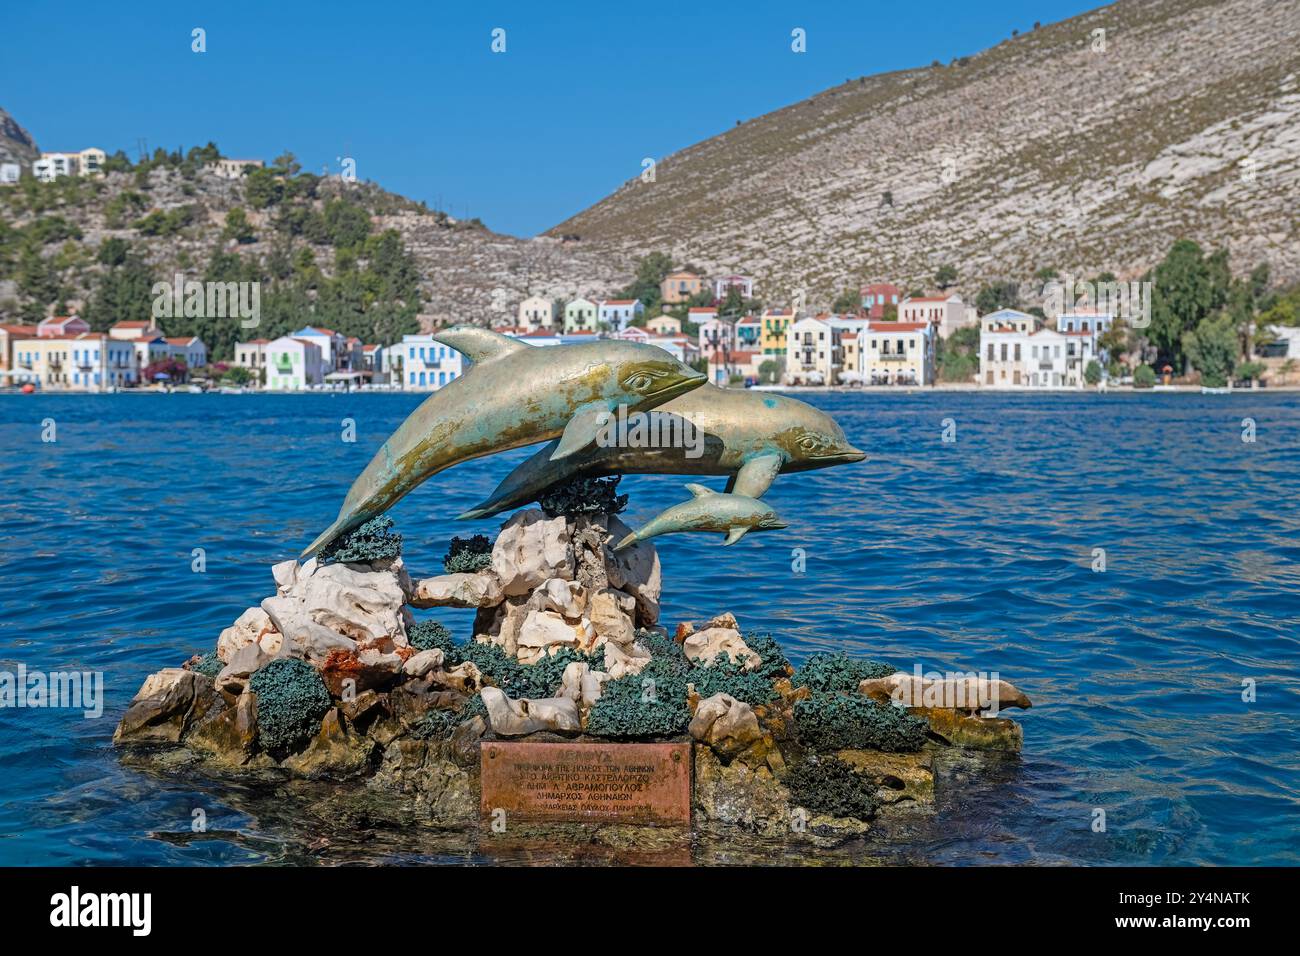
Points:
(975, 554)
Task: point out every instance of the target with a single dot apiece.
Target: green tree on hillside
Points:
(1212, 349)
(1183, 292)
(945, 277)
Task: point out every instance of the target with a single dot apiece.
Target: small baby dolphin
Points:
(514, 394)
(709, 510)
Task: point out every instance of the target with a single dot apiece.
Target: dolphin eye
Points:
(809, 442)
(640, 381)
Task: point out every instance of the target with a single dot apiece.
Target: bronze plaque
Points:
(579, 782)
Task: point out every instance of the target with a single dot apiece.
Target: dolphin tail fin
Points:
(699, 491)
(734, 535)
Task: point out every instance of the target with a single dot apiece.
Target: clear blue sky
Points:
(413, 92)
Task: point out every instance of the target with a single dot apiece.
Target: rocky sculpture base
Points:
(334, 678)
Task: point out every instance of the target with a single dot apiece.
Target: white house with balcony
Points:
(896, 353)
(947, 313)
(536, 313)
(617, 314)
(293, 364)
(1048, 360)
(812, 352)
(334, 349)
(580, 316)
(428, 365)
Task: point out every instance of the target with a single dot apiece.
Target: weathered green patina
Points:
(513, 395)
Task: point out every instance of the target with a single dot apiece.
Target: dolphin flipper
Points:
(755, 476)
(734, 535)
(582, 429)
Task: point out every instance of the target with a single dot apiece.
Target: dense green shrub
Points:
(1144, 377)
(828, 785)
(427, 635)
(468, 555)
(649, 704)
(584, 496)
(373, 541)
(831, 721)
(521, 680)
(474, 707)
(210, 666)
(838, 672)
(291, 700)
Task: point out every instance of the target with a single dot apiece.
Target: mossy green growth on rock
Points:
(724, 677)
(828, 721)
(428, 635)
(467, 555)
(373, 541)
(838, 672)
(826, 784)
(521, 680)
(584, 496)
(209, 666)
(474, 707)
(649, 704)
(436, 724)
(775, 664)
(291, 700)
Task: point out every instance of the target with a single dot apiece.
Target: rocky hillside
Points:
(1062, 148)
(16, 144)
(171, 213)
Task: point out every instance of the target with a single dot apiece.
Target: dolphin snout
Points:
(854, 454)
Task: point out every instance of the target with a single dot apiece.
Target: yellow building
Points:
(775, 324)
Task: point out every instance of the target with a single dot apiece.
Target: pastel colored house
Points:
(334, 350)
(878, 296)
(775, 323)
(617, 314)
(86, 362)
(678, 346)
(716, 335)
(749, 332)
(293, 364)
(189, 350)
(252, 355)
(428, 365)
(580, 316)
(62, 325)
(724, 284)
(896, 353)
(678, 287)
(9, 334)
(536, 313)
(701, 313)
(812, 352)
(946, 313)
(1005, 360)
(664, 325)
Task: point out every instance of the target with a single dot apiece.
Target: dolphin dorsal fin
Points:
(699, 491)
(478, 345)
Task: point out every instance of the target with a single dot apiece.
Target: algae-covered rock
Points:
(828, 722)
(838, 672)
(374, 541)
(291, 701)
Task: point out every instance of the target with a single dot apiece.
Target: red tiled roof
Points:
(19, 329)
(896, 326)
(619, 302)
(131, 325)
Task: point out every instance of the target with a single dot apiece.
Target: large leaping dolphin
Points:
(751, 436)
(513, 395)
(707, 510)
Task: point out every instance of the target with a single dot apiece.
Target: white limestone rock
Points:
(253, 626)
(530, 549)
(544, 632)
(565, 597)
(727, 725)
(611, 614)
(420, 664)
(634, 570)
(465, 589)
(511, 718)
(242, 665)
(703, 646)
(304, 637)
(361, 605)
(582, 685)
(621, 661)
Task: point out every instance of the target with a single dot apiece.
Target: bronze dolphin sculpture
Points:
(708, 510)
(751, 436)
(514, 394)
